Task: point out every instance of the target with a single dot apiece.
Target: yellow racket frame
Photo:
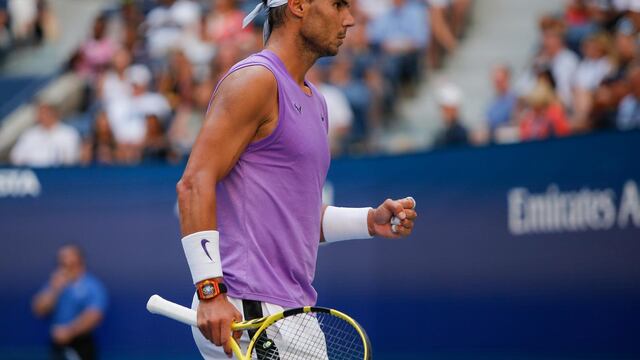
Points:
(263, 323)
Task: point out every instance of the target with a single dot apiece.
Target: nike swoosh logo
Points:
(298, 107)
(204, 247)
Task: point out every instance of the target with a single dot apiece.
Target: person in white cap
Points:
(250, 198)
(449, 98)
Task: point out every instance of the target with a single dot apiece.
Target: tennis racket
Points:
(306, 333)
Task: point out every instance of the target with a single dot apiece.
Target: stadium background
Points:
(483, 277)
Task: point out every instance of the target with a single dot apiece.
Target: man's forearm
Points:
(44, 302)
(86, 322)
(197, 205)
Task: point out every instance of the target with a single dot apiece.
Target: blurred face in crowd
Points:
(324, 27)
(139, 88)
(594, 47)
(501, 78)
(70, 261)
(121, 60)
(626, 46)
(552, 41)
(449, 114)
(99, 28)
(47, 116)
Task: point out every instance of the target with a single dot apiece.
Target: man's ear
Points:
(298, 7)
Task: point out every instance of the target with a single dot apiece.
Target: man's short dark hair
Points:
(277, 16)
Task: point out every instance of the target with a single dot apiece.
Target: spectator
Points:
(544, 116)
(189, 118)
(502, 107)
(338, 110)
(23, 14)
(606, 100)
(444, 33)
(156, 143)
(593, 68)
(449, 98)
(50, 143)
(163, 33)
(562, 61)
(5, 33)
(100, 146)
(127, 115)
(402, 35)
(373, 9)
(625, 45)
(358, 95)
(175, 81)
(629, 111)
(96, 53)
(114, 84)
(197, 49)
(224, 22)
(75, 302)
(596, 64)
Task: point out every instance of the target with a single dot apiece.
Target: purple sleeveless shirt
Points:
(269, 206)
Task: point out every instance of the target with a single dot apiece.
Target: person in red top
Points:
(224, 23)
(544, 117)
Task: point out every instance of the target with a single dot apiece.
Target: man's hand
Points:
(379, 220)
(62, 335)
(214, 321)
(59, 279)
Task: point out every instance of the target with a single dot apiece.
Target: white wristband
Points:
(340, 223)
(202, 250)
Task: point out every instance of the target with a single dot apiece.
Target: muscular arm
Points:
(244, 110)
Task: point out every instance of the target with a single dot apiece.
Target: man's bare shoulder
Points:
(253, 83)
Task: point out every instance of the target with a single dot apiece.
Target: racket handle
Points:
(160, 306)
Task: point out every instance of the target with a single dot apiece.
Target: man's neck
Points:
(295, 57)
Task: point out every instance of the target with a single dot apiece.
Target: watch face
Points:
(207, 290)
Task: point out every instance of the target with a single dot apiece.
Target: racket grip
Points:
(158, 305)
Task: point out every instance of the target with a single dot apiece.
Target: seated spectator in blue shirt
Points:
(501, 108)
(629, 110)
(402, 35)
(74, 301)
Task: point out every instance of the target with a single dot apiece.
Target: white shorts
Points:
(298, 349)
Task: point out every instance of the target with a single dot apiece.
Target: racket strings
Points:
(310, 336)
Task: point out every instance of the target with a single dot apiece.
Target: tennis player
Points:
(250, 198)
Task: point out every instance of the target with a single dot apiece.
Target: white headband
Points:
(262, 8)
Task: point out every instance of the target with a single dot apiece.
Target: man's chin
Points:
(332, 51)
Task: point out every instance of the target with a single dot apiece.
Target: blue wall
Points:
(465, 284)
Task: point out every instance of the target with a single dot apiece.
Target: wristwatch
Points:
(209, 289)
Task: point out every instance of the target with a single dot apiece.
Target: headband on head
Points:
(262, 8)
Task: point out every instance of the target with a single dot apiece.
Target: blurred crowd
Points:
(150, 67)
(584, 77)
(24, 22)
